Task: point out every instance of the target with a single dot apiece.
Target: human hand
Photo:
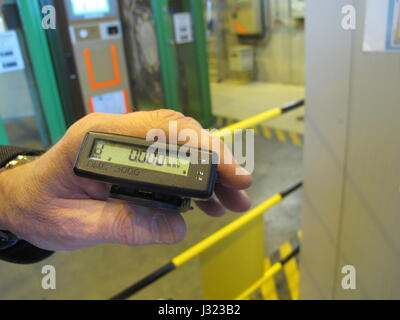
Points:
(46, 204)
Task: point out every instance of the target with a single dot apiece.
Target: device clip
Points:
(151, 199)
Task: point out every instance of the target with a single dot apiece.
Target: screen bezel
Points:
(113, 12)
(73, 7)
(147, 180)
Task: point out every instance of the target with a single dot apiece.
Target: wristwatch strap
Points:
(8, 153)
(11, 157)
(7, 240)
(24, 253)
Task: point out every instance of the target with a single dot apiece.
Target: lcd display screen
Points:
(138, 157)
(89, 7)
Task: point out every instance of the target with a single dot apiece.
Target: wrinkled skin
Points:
(45, 203)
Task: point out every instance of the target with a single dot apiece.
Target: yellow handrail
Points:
(259, 118)
(267, 275)
(203, 245)
(225, 231)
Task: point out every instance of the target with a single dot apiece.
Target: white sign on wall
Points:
(82, 7)
(382, 26)
(10, 52)
(183, 27)
(112, 102)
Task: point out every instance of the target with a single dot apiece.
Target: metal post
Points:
(202, 61)
(168, 61)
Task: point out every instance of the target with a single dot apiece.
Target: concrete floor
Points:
(100, 272)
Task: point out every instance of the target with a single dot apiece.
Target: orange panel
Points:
(117, 76)
(239, 28)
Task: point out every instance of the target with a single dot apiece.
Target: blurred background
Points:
(223, 61)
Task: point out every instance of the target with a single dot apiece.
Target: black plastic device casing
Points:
(198, 184)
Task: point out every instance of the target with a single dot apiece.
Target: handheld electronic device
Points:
(152, 174)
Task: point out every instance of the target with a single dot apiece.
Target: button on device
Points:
(200, 176)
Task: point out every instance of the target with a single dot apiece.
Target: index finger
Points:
(231, 174)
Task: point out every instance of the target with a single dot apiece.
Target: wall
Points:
(352, 168)
(279, 56)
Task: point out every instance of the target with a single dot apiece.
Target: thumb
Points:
(129, 224)
(85, 223)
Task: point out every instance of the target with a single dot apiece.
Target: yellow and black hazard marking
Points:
(215, 238)
(284, 285)
(264, 131)
(282, 276)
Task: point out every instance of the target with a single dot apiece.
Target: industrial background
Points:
(317, 81)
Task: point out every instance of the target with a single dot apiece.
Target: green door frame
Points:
(31, 17)
(202, 65)
(3, 134)
(168, 57)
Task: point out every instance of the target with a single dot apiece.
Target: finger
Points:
(231, 174)
(234, 200)
(212, 207)
(92, 189)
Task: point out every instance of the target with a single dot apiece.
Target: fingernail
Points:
(161, 229)
(242, 172)
(245, 195)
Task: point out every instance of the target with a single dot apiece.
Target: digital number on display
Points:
(138, 157)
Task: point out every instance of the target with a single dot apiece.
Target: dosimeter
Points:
(148, 173)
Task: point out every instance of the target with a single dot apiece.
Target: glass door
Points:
(20, 106)
(30, 108)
